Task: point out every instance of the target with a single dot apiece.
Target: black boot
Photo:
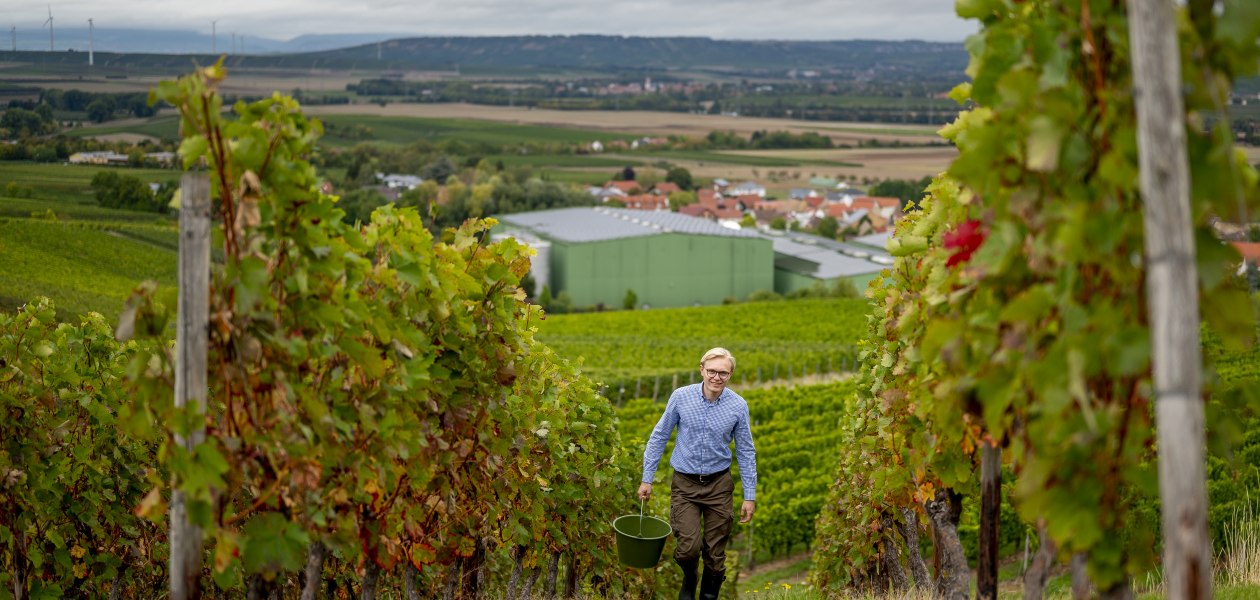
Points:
(688, 589)
(711, 584)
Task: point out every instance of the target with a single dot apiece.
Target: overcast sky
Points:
(932, 20)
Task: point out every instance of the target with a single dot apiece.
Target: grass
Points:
(407, 130)
(1240, 561)
(29, 207)
(778, 578)
(67, 183)
(164, 128)
(562, 160)
(778, 591)
(579, 177)
(397, 131)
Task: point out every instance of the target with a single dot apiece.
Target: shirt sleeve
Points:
(660, 435)
(746, 454)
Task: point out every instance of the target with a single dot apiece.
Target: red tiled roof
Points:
(1250, 251)
(839, 210)
(646, 202)
(667, 188)
(782, 206)
(625, 186)
(708, 212)
(873, 201)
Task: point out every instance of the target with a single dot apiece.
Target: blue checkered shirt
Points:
(705, 431)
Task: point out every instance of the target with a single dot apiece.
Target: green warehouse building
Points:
(596, 254)
(667, 259)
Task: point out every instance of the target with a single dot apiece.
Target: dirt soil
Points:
(777, 564)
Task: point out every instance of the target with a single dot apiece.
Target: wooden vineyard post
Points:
(190, 368)
(1173, 305)
(990, 506)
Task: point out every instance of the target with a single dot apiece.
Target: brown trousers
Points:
(701, 516)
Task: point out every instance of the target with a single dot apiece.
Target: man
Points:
(708, 416)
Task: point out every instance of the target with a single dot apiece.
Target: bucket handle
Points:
(640, 516)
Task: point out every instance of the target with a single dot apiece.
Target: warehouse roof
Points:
(828, 262)
(593, 224)
(875, 240)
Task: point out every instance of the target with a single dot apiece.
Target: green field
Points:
(66, 184)
(62, 211)
(408, 130)
(399, 131)
(562, 160)
(57, 242)
(342, 131)
(164, 128)
(642, 351)
(82, 266)
(581, 177)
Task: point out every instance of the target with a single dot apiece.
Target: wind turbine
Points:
(91, 31)
(214, 37)
(13, 32)
(49, 23)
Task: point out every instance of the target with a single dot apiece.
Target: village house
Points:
(646, 202)
(746, 202)
(713, 206)
(802, 193)
(887, 208)
(665, 188)
(747, 188)
(721, 214)
(604, 194)
(396, 181)
(625, 187)
(648, 142)
(101, 157)
(1250, 252)
(165, 159)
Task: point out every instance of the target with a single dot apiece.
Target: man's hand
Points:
(645, 490)
(745, 512)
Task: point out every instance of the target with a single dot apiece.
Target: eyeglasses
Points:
(717, 374)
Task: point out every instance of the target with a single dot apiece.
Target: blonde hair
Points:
(718, 353)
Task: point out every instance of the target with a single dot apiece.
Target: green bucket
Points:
(640, 540)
